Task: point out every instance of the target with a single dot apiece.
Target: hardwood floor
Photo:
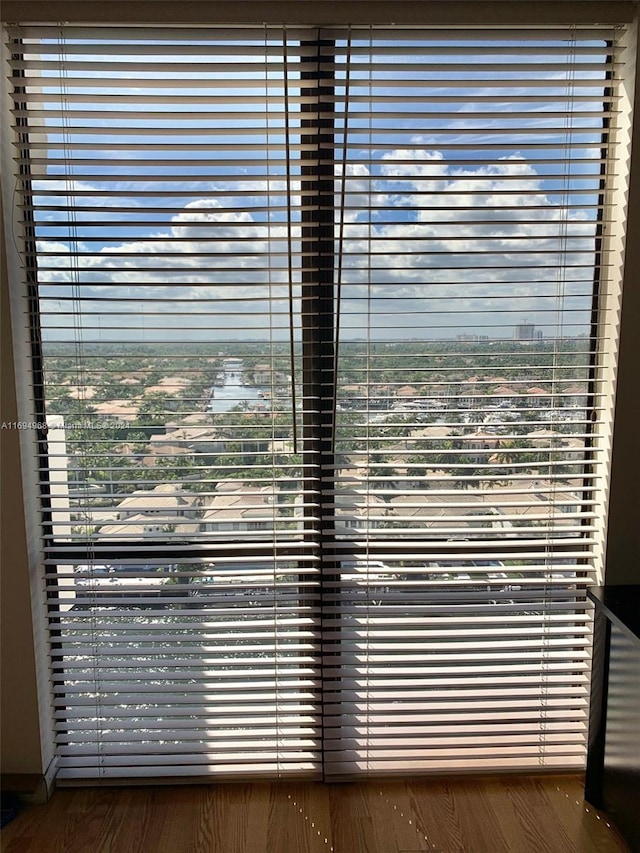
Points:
(519, 814)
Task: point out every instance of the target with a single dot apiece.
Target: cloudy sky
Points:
(456, 210)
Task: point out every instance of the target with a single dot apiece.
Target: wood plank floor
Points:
(469, 815)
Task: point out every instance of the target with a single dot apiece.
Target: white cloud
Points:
(442, 237)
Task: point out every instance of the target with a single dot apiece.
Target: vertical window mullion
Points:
(318, 262)
(318, 294)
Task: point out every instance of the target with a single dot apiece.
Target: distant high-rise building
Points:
(61, 527)
(525, 331)
(58, 465)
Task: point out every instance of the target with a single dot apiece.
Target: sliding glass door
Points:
(323, 326)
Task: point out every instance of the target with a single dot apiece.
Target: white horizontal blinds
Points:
(167, 196)
(465, 501)
(223, 407)
(182, 589)
(184, 669)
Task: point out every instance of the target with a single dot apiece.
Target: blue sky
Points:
(456, 219)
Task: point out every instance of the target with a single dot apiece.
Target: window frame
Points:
(605, 296)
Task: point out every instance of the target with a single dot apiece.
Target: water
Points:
(232, 392)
